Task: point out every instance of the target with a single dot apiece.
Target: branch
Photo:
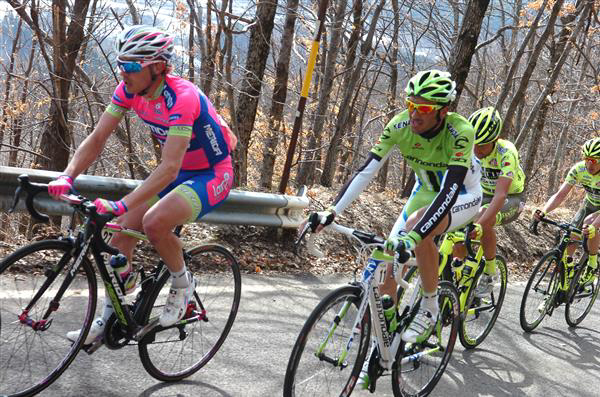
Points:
(497, 36)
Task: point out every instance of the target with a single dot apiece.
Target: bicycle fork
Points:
(45, 323)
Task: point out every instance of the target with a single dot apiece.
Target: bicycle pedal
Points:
(374, 371)
(92, 347)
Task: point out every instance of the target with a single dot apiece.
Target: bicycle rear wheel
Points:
(34, 350)
(319, 364)
(481, 313)
(419, 366)
(581, 296)
(177, 352)
(540, 292)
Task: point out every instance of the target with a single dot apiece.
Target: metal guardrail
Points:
(240, 208)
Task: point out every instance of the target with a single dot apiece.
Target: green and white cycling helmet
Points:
(144, 43)
(591, 148)
(487, 124)
(432, 85)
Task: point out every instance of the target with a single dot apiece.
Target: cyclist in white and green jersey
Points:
(586, 174)
(502, 181)
(438, 146)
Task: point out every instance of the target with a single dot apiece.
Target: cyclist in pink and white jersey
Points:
(195, 173)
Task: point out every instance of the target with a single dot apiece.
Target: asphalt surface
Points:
(552, 361)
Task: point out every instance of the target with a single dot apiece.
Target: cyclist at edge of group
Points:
(438, 146)
(195, 173)
(586, 174)
(502, 182)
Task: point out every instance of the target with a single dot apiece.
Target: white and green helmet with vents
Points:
(487, 124)
(432, 85)
(144, 43)
(591, 148)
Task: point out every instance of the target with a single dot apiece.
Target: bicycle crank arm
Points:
(92, 347)
(153, 323)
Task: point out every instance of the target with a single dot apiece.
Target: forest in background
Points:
(537, 62)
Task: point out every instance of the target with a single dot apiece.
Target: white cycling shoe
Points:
(176, 305)
(96, 332)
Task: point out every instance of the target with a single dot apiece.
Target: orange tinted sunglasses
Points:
(421, 108)
(592, 160)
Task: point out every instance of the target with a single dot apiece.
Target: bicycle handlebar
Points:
(78, 202)
(32, 190)
(533, 228)
(363, 237)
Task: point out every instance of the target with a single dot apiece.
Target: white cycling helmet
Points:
(144, 43)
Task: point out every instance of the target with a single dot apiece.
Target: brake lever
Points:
(301, 237)
(15, 200)
(468, 231)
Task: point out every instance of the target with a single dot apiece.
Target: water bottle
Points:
(389, 311)
(118, 263)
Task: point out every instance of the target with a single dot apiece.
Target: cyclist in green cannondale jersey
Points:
(502, 181)
(438, 146)
(585, 173)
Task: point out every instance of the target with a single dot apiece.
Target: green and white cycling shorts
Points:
(512, 208)
(462, 212)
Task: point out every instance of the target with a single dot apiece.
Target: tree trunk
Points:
(567, 37)
(344, 115)
(276, 121)
(464, 48)
(519, 94)
(251, 85)
(559, 154)
(8, 82)
(312, 154)
(392, 104)
(508, 82)
(66, 44)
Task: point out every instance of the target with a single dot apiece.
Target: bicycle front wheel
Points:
(419, 366)
(481, 312)
(540, 292)
(320, 363)
(179, 351)
(39, 303)
(581, 296)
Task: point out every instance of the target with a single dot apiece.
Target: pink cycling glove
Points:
(61, 185)
(104, 206)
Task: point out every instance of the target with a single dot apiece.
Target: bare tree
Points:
(464, 48)
(276, 122)
(256, 60)
(312, 157)
(345, 113)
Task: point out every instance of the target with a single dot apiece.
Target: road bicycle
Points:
(332, 346)
(49, 287)
(553, 283)
(478, 314)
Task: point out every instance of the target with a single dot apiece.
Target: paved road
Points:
(554, 361)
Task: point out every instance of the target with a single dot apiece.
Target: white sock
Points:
(108, 308)
(430, 303)
(180, 279)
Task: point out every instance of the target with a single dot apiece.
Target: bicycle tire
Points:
(218, 292)
(548, 269)
(481, 313)
(33, 359)
(411, 356)
(304, 364)
(578, 292)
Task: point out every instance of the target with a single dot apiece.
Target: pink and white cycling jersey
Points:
(180, 109)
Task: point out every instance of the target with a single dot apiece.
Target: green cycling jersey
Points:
(502, 161)
(430, 158)
(578, 174)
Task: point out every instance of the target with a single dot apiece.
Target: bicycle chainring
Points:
(115, 336)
